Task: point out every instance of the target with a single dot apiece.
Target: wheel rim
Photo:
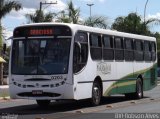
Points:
(96, 95)
(139, 91)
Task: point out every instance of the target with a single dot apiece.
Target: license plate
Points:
(37, 92)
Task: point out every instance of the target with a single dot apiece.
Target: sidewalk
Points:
(4, 91)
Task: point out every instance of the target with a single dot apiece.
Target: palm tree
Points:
(96, 21)
(5, 8)
(39, 16)
(70, 15)
(73, 13)
(62, 17)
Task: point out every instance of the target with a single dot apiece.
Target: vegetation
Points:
(73, 13)
(69, 15)
(96, 21)
(5, 8)
(39, 16)
(133, 23)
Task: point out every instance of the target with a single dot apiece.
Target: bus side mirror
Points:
(4, 48)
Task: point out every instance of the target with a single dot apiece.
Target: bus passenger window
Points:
(96, 46)
(129, 53)
(119, 51)
(153, 51)
(139, 50)
(147, 51)
(108, 51)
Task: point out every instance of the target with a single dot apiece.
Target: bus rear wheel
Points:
(139, 89)
(43, 103)
(96, 94)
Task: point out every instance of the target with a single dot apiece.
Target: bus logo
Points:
(104, 68)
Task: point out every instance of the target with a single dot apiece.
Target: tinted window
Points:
(147, 46)
(95, 40)
(81, 37)
(119, 43)
(80, 51)
(147, 51)
(129, 44)
(119, 52)
(129, 53)
(108, 41)
(139, 45)
(96, 46)
(108, 51)
(153, 51)
(153, 47)
(139, 50)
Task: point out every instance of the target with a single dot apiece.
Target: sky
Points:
(108, 8)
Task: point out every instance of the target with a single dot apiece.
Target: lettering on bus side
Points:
(104, 68)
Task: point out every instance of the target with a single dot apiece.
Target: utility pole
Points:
(90, 5)
(145, 14)
(45, 3)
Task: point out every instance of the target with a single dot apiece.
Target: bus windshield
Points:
(40, 56)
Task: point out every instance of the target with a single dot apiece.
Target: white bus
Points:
(55, 61)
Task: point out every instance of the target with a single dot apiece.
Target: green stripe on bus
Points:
(128, 83)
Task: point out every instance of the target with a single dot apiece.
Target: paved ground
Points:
(27, 109)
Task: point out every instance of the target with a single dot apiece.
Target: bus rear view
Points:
(39, 64)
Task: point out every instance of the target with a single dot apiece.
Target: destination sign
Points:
(41, 32)
(33, 31)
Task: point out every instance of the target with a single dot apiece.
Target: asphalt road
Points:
(27, 109)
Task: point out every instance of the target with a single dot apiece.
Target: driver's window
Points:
(80, 51)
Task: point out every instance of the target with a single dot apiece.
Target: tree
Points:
(73, 13)
(133, 23)
(69, 15)
(39, 16)
(96, 21)
(5, 8)
(62, 17)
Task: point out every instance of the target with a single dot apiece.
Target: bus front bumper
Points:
(61, 92)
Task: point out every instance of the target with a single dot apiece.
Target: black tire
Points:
(139, 89)
(43, 103)
(96, 94)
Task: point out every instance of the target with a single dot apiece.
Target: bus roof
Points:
(76, 27)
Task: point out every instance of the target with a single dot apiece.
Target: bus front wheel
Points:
(96, 94)
(43, 103)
